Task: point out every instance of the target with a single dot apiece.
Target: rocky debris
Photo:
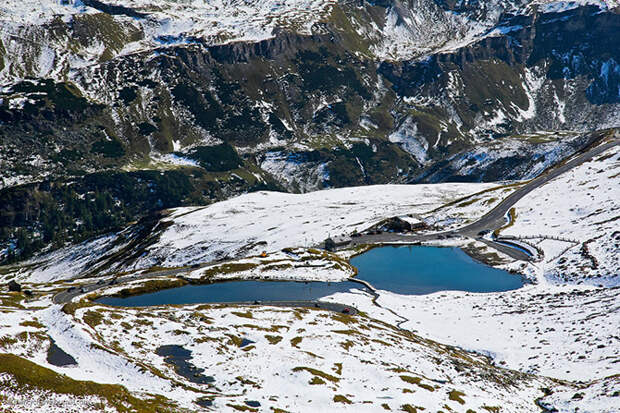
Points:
(14, 286)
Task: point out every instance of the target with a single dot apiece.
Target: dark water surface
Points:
(58, 357)
(419, 270)
(179, 358)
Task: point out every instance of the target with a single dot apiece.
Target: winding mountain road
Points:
(493, 219)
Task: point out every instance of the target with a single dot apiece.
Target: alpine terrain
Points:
(191, 192)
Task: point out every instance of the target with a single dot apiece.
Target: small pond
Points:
(416, 270)
(179, 358)
(235, 291)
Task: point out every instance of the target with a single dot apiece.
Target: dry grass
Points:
(339, 398)
(29, 375)
(456, 396)
(318, 373)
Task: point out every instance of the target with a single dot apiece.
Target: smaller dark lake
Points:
(179, 358)
(58, 357)
(235, 291)
(417, 270)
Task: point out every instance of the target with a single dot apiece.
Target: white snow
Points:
(551, 328)
(407, 136)
(288, 220)
(362, 359)
(249, 224)
(580, 205)
(562, 6)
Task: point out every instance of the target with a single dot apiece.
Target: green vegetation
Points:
(229, 268)
(128, 94)
(30, 376)
(273, 339)
(52, 213)
(92, 318)
(31, 323)
(241, 408)
(513, 216)
(12, 300)
(316, 380)
(339, 398)
(63, 97)
(318, 373)
(417, 381)
(456, 396)
(216, 158)
(151, 286)
(109, 148)
(247, 314)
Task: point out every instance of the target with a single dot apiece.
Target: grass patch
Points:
(295, 341)
(347, 344)
(247, 314)
(417, 381)
(227, 269)
(240, 408)
(273, 339)
(456, 396)
(32, 323)
(344, 318)
(245, 381)
(339, 398)
(513, 218)
(7, 341)
(492, 409)
(71, 306)
(12, 300)
(337, 368)
(346, 332)
(92, 318)
(234, 340)
(467, 203)
(318, 373)
(316, 380)
(29, 375)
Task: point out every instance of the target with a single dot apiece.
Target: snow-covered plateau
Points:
(552, 343)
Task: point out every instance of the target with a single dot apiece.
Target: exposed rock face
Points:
(14, 286)
(350, 94)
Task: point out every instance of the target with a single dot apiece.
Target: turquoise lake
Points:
(409, 270)
(235, 291)
(419, 270)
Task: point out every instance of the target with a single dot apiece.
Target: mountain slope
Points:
(291, 95)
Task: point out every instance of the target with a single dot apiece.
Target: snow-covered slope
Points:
(126, 26)
(247, 225)
(574, 221)
(300, 360)
(404, 30)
